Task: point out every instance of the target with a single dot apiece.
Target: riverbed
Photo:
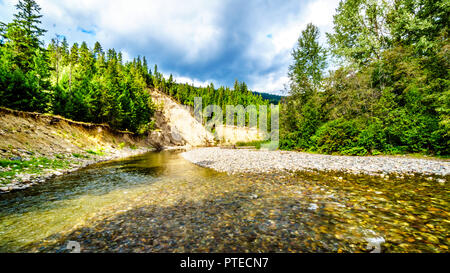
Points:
(160, 202)
(264, 161)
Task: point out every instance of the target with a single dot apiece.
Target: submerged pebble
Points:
(171, 205)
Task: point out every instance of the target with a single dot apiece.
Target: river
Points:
(159, 202)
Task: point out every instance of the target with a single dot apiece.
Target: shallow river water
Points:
(159, 202)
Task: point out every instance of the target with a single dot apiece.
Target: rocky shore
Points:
(23, 180)
(259, 161)
(35, 147)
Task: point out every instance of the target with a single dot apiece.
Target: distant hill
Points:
(275, 99)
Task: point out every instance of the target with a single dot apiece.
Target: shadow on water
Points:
(29, 214)
(159, 202)
(97, 179)
(274, 213)
(209, 225)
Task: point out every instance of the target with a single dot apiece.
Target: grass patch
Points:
(59, 156)
(98, 152)
(32, 166)
(257, 144)
(133, 147)
(79, 155)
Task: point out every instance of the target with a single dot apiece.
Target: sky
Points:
(198, 41)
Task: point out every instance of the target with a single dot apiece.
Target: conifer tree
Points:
(73, 59)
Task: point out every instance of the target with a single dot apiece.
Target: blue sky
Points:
(198, 41)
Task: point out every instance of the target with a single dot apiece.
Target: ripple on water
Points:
(161, 203)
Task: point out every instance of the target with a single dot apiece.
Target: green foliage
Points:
(392, 94)
(300, 114)
(34, 165)
(360, 31)
(76, 155)
(223, 96)
(23, 90)
(273, 99)
(80, 83)
(98, 152)
(257, 143)
(336, 136)
(309, 62)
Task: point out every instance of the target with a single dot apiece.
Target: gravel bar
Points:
(259, 161)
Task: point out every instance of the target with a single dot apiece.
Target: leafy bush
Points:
(390, 98)
(336, 136)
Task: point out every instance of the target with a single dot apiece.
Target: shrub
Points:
(336, 136)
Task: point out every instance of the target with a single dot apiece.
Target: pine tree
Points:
(86, 58)
(236, 87)
(73, 60)
(28, 17)
(97, 49)
(22, 35)
(56, 54)
(65, 51)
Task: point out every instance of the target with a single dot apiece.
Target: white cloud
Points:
(273, 82)
(189, 35)
(188, 25)
(195, 82)
(284, 37)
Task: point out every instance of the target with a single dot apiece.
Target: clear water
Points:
(159, 202)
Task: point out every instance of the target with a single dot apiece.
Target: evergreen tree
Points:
(98, 50)
(28, 18)
(21, 37)
(73, 60)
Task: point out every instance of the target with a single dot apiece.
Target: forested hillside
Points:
(390, 90)
(88, 84)
(274, 99)
(386, 92)
(76, 82)
(223, 96)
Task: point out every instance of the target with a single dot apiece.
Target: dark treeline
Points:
(390, 93)
(76, 82)
(223, 96)
(88, 84)
(274, 99)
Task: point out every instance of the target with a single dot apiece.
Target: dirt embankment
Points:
(177, 126)
(25, 133)
(34, 146)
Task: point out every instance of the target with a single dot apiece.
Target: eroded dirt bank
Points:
(177, 126)
(35, 147)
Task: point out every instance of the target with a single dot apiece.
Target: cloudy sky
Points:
(198, 41)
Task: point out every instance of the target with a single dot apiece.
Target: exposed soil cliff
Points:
(34, 146)
(27, 134)
(176, 124)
